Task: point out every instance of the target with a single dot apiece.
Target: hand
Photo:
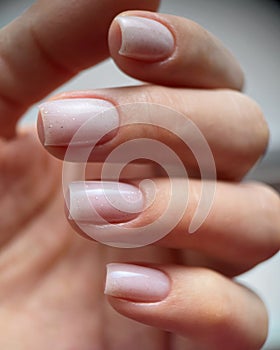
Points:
(52, 294)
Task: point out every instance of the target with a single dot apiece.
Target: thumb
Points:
(50, 43)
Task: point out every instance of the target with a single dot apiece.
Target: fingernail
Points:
(103, 202)
(88, 119)
(136, 283)
(144, 38)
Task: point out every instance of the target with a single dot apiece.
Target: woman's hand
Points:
(52, 281)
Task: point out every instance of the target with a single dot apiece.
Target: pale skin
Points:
(52, 280)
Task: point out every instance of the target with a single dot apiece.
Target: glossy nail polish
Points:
(81, 121)
(136, 283)
(144, 38)
(99, 203)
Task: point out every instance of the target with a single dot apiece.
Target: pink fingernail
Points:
(92, 118)
(136, 283)
(144, 38)
(99, 203)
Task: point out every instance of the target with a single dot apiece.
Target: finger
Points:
(208, 309)
(239, 229)
(170, 50)
(49, 44)
(185, 120)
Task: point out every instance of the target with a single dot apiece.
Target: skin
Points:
(51, 278)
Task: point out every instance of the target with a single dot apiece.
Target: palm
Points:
(51, 279)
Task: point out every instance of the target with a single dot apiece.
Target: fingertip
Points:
(201, 305)
(171, 50)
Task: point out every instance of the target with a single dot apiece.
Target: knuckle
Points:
(250, 115)
(222, 317)
(219, 311)
(269, 201)
(258, 124)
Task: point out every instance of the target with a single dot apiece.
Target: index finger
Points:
(49, 44)
(170, 50)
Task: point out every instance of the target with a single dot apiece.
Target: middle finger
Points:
(240, 230)
(231, 123)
